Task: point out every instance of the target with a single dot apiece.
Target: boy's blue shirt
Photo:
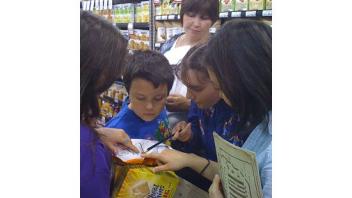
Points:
(137, 128)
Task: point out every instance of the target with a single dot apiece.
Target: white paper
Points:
(238, 170)
(142, 145)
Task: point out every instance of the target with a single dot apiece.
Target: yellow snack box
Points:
(139, 182)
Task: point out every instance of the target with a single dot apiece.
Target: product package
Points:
(256, 4)
(138, 181)
(226, 5)
(241, 5)
(268, 4)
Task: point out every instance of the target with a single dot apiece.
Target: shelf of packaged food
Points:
(245, 14)
(108, 99)
(135, 26)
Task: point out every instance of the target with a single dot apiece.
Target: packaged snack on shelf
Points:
(226, 5)
(160, 32)
(140, 182)
(157, 10)
(241, 5)
(256, 4)
(145, 11)
(268, 4)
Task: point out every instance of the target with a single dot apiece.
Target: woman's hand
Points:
(169, 160)
(182, 131)
(215, 190)
(112, 137)
(177, 103)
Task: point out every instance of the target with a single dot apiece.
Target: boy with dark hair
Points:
(148, 79)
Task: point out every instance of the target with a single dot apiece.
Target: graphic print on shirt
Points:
(163, 131)
(229, 126)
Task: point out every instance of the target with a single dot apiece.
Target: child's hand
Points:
(182, 131)
(177, 103)
(215, 190)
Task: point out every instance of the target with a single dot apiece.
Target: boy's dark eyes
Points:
(158, 98)
(140, 98)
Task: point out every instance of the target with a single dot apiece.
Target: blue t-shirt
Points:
(137, 128)
(218, 118)
(95, 165)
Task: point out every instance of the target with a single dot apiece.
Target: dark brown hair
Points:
(103, 49)
(148, 65)
(195, 60)
(240, 56)
(208, 8)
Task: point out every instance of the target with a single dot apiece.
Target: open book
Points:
(131, 157)
(238, 170)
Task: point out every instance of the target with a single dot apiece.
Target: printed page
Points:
(142, 145)
(238, 170)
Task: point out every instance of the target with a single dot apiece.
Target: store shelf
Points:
(245, 14)
(169, 17)
(222, 15)
(135, 26)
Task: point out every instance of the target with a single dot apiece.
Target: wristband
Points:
(205, 167)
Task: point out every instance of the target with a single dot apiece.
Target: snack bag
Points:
(268, 4)
(226, 5)
(256, 4)
(141, 182)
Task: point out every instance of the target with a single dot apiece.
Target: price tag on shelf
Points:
(178, 16)
(130, 28)
(105, 4)
(110, 4)
(101, 4)
(235, 14)
(267, 13)
(97, 6)
(224, 15)
(164, 17)
(212, 30)
(157, 17)
(251, 13)
(157, 44)
(171, 17)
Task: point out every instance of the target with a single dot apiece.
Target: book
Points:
(238, 170)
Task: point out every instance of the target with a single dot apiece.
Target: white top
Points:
(174, 56)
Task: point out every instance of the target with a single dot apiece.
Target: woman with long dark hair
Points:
(103, 50)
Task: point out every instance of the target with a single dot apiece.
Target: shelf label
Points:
(267, 13)
(157, 17)
(224, 15)
(171, 17)
(97, 4)
(164, 17)
(178, 16)
(130, 28)
(110, 4)
(235, 14)
(105, 4)
(251, 13)
(91, 5)
(157, 44)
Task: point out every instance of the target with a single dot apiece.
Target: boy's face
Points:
(203, 92)
(145, 100)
